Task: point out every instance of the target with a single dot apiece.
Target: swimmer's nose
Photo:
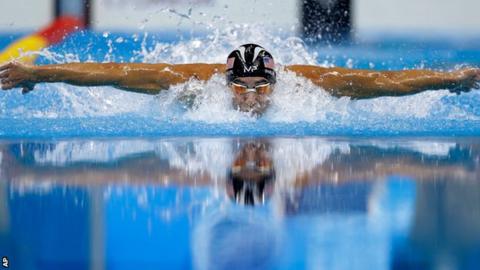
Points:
(251, 99)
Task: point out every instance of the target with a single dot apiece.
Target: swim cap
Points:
(250, 60)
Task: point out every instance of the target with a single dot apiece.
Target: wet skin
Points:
(154, 78)
(251, 102)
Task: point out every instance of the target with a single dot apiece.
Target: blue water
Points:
(59, 110)
(97, 178)
(165, 204)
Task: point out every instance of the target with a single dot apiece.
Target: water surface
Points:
(247, 203)
(298, 107)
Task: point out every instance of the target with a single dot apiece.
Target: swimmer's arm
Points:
(360, 84)
(134, 77)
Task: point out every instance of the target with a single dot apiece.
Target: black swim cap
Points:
(250, 60)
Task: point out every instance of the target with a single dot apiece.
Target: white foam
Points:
(214, 157)
(429, 148)
(295, 99)
(65, 152)
(293, 157)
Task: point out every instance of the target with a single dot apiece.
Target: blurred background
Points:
(364, 34)
(158, 201)
(310, 17)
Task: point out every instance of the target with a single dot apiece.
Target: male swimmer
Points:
(250, 74)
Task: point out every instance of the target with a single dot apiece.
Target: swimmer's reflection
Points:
(248, 169)
(250, 180)
(321, 177)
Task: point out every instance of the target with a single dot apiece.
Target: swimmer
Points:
(250, 75)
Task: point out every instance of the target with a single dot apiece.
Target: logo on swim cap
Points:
(250, 60)
(250, 68)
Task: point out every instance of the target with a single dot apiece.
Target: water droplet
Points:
(349, 63)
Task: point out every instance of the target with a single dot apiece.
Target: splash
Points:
(298, 107)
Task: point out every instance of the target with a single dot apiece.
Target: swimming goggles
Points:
(260, 164)
(262, 87)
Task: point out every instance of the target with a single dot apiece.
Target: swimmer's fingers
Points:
(469, 79)
(15, 69)
(4, 71)
(457, 91)
(8, 69)
(6, 66)
(476, 85)
(9, 80)
(477, 74)
(14, 75)
(9, 84)
(28, 88)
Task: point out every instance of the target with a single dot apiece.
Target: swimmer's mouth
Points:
(255, 111)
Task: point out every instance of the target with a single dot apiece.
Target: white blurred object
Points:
(188, 15)
(431, 16)
(24, 15)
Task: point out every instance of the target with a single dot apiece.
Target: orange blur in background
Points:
(24, 49)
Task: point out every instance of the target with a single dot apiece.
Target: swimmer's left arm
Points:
(360, 84)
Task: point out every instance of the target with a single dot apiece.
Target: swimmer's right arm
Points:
(134, 77)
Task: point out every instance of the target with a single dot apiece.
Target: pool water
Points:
(298, 107)
(97, 178)
(166, 204)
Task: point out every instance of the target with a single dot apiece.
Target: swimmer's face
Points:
(251, 175)
(251, 94)
(252, 162)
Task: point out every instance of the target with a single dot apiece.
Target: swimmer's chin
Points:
(252, 112)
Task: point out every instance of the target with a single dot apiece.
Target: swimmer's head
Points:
(251, 178)
(251, 76)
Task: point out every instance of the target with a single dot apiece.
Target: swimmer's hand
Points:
(14, 74)
(468, 79)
